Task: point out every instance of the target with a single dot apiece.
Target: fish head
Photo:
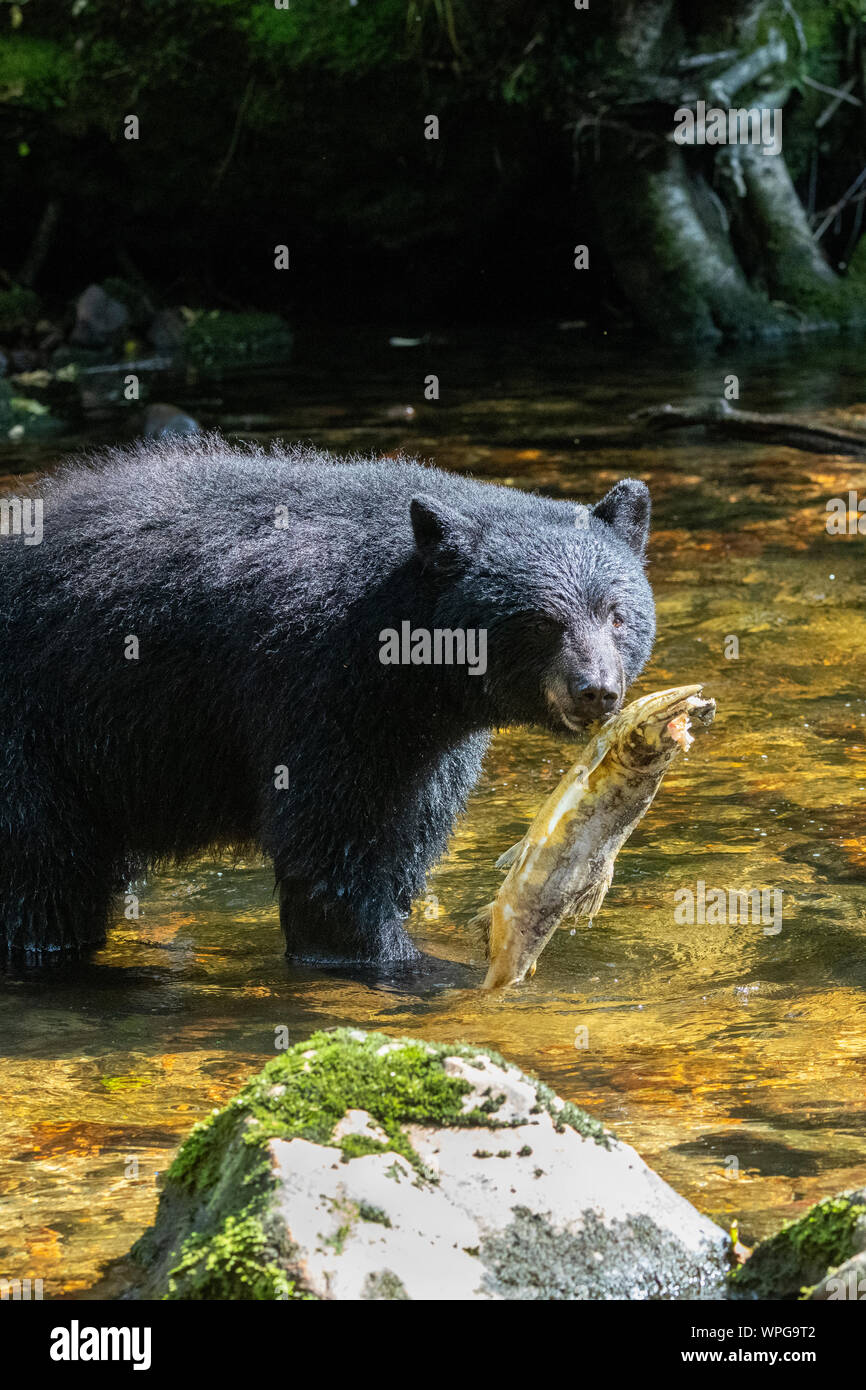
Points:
(655, 729)
(513, 946)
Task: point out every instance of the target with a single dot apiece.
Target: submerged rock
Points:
(357, 1166)
(821, 1255)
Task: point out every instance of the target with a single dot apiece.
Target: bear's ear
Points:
(626, 510)
(444, 538)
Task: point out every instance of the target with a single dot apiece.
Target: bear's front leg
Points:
(357, 928)
(352, 853)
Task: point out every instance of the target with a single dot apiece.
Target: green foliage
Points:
(19, 308)
(331, 34)
(241, 103)
(217, 339)
(38, 73)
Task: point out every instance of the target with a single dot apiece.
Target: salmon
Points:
(563, 866)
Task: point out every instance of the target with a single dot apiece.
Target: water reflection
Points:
(733, 1059)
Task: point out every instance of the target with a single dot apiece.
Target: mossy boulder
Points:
(358, 1166)
(811, 1257)
(217, 340)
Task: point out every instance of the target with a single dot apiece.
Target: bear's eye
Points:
(616, 618)
(545, 627)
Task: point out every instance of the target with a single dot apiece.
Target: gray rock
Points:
(442, 1173)
(99, 319)
(167, 330)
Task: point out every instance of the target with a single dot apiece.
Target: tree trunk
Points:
(794, 264)
(680, 273)
(706, 241)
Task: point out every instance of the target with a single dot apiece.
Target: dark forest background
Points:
(305, 126)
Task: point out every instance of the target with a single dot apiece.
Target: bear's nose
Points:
(594, 700)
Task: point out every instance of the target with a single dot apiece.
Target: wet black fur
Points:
(259, 647)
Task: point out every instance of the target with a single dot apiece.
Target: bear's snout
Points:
(580, 692)
(593, 701)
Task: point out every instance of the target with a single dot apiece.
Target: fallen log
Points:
(720, 417)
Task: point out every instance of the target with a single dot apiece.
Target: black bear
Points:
(217, 645)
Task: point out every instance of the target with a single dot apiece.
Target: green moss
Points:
(337, 1241)
(198, 1161)
(330, 35)
(217, 339)
(237, 1261)
(356, 1145)
(307, 1089)
(211, 1234)
(368, 1212)
(794, 1259)
(572, 1117)
(816, 302)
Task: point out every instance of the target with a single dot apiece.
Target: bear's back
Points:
(219, 508)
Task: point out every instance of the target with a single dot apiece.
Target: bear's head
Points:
(558, 589)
